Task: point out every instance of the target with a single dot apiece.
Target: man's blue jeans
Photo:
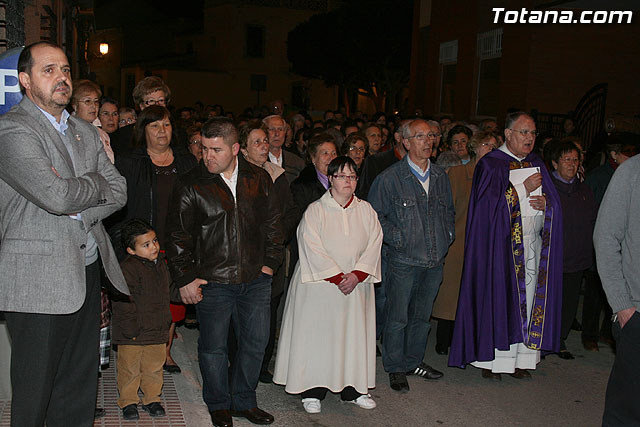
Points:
(381, 297)
(410, 292)
(247, 306)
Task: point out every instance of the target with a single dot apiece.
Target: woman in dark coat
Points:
(151, 169)
(313, 181)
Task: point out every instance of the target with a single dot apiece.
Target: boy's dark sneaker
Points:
(154, 409)
(130, 412)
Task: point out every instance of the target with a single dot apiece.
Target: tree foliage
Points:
(363, 46)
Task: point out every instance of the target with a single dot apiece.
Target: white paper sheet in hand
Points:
(517, 176)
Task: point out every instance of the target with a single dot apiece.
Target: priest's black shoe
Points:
(576, 326)
(398, 381)
(255, 415)
(265, 377)
(488, 374)
(99, 413)
(564, 354)
(221, 418)
(425, 371)
(442, 349)
(521, 374)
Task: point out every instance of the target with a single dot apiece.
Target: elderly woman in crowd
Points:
(85, 101)
(327, 339)
(127, 116)
(109, 115)
(254, 145)
(195, 141)
(438, 140)
(457, 140)
(301, 140)
(356, 146)
(579, 212)
(313, 181)
(373, 132)
(461, 178)
(151, 170)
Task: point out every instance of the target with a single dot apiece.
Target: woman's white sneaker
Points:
(313, 406)
(365, 402)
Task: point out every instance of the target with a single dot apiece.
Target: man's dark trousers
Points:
(247, 306)
(54, 363)
(621, 401)
(277, 291)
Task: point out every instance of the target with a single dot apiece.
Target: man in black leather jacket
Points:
(224, 242)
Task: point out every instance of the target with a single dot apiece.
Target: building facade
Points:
(470, 65)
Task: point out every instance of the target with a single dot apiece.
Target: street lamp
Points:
(104, 48)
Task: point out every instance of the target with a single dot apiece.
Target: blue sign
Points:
(10, 93)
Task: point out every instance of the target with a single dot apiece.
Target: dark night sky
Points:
(127, 13)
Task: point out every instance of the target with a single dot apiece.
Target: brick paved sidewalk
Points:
(107, 397)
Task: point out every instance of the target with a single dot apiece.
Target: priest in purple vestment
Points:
(510, 294)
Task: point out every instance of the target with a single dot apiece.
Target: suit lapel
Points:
(79, 147)
(52, 133)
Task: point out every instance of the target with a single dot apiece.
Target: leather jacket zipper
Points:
(237, 224)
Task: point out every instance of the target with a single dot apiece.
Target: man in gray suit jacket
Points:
(292, 164)
(56, 186)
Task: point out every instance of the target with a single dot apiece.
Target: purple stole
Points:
(531, 331)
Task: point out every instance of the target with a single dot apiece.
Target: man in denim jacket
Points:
(415, 208)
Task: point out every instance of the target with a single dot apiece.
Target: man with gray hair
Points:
(415, 208)
(292, 164)
(224, 243)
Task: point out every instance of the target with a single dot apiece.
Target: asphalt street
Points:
(560, 393)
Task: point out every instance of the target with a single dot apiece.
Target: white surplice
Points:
(328, 339)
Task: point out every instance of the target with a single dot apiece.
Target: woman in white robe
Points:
(327, 339)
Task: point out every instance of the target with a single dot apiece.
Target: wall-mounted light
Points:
(104, 48)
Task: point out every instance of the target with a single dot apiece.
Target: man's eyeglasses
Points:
(424, 136)
(525, 132)
(346, 178)
(160, 101)
(274, 130)
(195, 141)
(124, 122)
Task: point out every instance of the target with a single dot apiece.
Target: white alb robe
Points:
(328, 339)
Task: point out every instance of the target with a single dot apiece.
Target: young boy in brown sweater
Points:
(141, 322)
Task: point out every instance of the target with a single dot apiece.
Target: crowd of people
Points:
(366, 227)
